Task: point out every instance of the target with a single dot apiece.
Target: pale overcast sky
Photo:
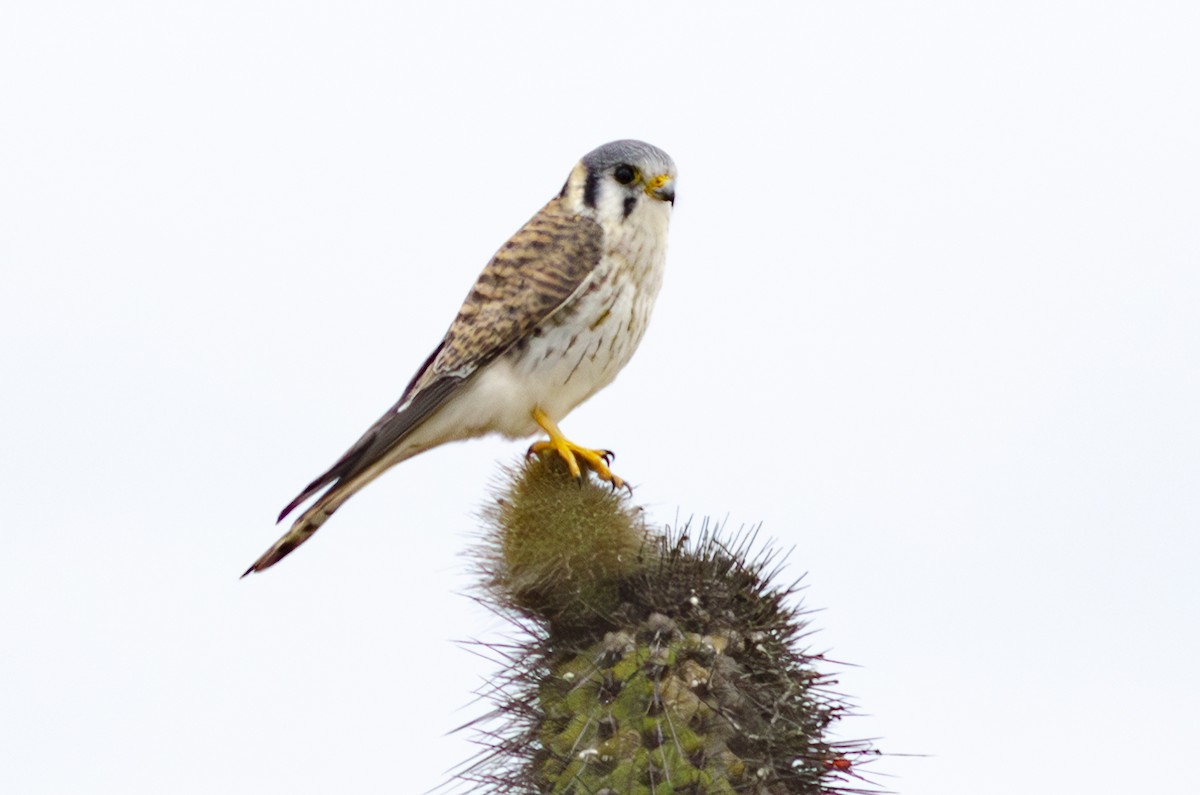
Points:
(931, 315)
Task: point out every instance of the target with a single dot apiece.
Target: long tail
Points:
(311, 520)
(385, 444)
(367, 460)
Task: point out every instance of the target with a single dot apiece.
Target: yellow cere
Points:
(657, 182)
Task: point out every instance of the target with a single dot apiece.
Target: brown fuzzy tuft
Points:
(557, 547)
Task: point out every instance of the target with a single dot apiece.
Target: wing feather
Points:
(530, 278)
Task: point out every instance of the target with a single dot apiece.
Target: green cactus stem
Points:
(647, 664)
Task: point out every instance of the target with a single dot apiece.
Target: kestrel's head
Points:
(615, 180)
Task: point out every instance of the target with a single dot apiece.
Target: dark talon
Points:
(608, 456)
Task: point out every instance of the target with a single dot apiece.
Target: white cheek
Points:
(610, 203)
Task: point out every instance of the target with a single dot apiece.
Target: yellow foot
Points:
(573, 454)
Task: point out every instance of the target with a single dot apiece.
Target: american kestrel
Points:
(551, 320)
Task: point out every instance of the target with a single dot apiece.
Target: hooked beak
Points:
(662, 188)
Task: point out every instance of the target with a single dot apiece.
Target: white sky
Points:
(932, 315)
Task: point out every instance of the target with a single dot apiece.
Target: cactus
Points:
(647, 664)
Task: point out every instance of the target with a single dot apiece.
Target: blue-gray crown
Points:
(635, 153)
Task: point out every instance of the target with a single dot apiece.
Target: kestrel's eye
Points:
(625, 174)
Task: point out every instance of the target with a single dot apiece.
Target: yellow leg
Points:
(596, 460)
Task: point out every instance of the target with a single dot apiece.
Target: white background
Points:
(932, 316)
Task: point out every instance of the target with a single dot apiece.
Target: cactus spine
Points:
(647, 664)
